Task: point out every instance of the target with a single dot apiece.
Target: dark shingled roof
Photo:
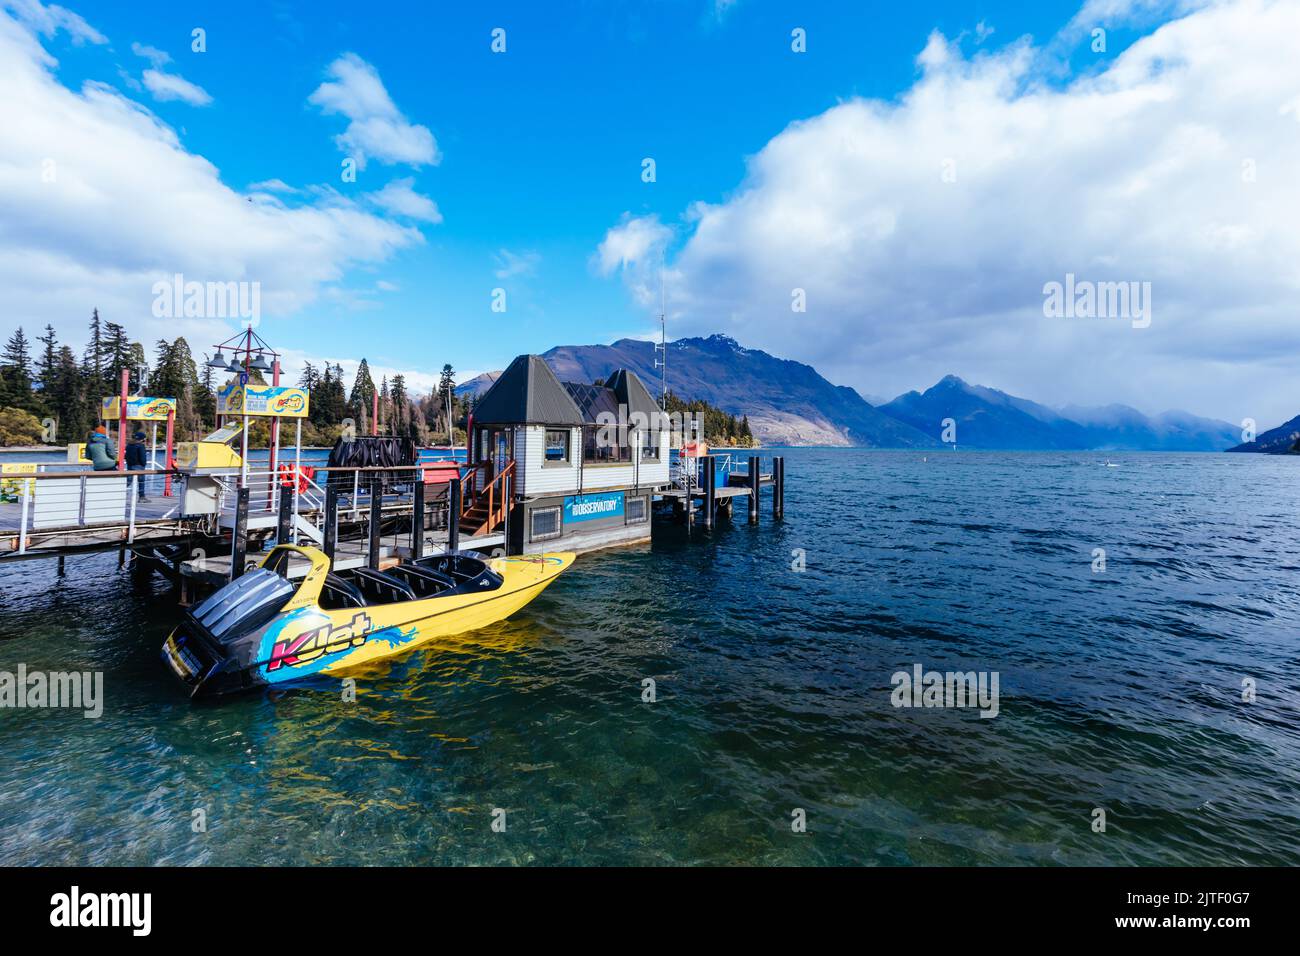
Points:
(527, 393)
(633, 394)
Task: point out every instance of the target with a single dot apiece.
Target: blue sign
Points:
(591, 507)
(243, 378)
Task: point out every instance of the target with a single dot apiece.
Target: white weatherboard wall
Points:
(538, 478)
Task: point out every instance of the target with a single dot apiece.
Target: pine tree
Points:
(447, 398)
(310, 378)
(401, 421)
(49, 360)
(16, 370)
(362, 397)
(93, 361)
(66, 398)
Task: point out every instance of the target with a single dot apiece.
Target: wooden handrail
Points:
(496, 509)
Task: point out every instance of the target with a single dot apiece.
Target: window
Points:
(636, 510)
(649, 446)
(557, 446)
(605, 445)
(543, 523)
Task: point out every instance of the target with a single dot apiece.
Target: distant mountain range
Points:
(1276, 441)
(988, 418)
(789, 403)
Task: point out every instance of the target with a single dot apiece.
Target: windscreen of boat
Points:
(246, 603)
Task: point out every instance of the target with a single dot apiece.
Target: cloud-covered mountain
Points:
(1122, 428)
(988, 418)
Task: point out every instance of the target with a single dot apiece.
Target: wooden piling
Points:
(453, 514)
(778, 487)
(239, 535)
(710, 491)
(754, 485)
(417, 517)
(284, 519)
(330, 544)
(376, 513)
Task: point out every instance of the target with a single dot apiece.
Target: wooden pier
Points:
(213, 530)
(706, 501)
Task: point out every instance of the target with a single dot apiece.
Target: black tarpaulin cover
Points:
(373, 452)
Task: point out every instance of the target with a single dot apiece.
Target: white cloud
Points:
(159, 58)
(99, 199)
(1133, 172)
(510, 264)
(377, 127)
(635, 247)
(273, 186)
(418, 382)
(170, 86)
(49, 19)
(399, 198)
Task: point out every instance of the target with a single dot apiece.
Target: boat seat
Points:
(441, 564)
(339, 592)
(425, 581)
(380, 587)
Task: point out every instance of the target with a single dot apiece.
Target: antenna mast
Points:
(661, 358)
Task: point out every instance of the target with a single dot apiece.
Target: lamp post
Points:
(249, 354)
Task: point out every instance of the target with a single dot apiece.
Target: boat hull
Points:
(308, 642)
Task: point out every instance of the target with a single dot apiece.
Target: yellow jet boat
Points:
(292, 619)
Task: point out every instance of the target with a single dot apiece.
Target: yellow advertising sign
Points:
(139, 408)
(269, 401)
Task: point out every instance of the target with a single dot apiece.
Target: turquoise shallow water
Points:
(1119, 690)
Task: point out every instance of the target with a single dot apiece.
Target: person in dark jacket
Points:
(100, 450)
(137, 460)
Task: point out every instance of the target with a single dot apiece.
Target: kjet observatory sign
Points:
(591, 507)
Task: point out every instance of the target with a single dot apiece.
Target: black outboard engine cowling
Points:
(215, 645)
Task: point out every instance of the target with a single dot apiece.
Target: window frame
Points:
(624, 449)
(567, 460)
(653, 458)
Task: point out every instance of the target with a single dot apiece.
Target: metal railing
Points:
(60, 501)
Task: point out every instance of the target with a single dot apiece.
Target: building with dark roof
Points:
(587, 458)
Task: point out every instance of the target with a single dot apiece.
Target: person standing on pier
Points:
(100, 450)
(137, 460)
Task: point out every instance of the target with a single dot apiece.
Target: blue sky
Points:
(536, 176)
(541, 147)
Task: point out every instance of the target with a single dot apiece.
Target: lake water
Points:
(1119, 689)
